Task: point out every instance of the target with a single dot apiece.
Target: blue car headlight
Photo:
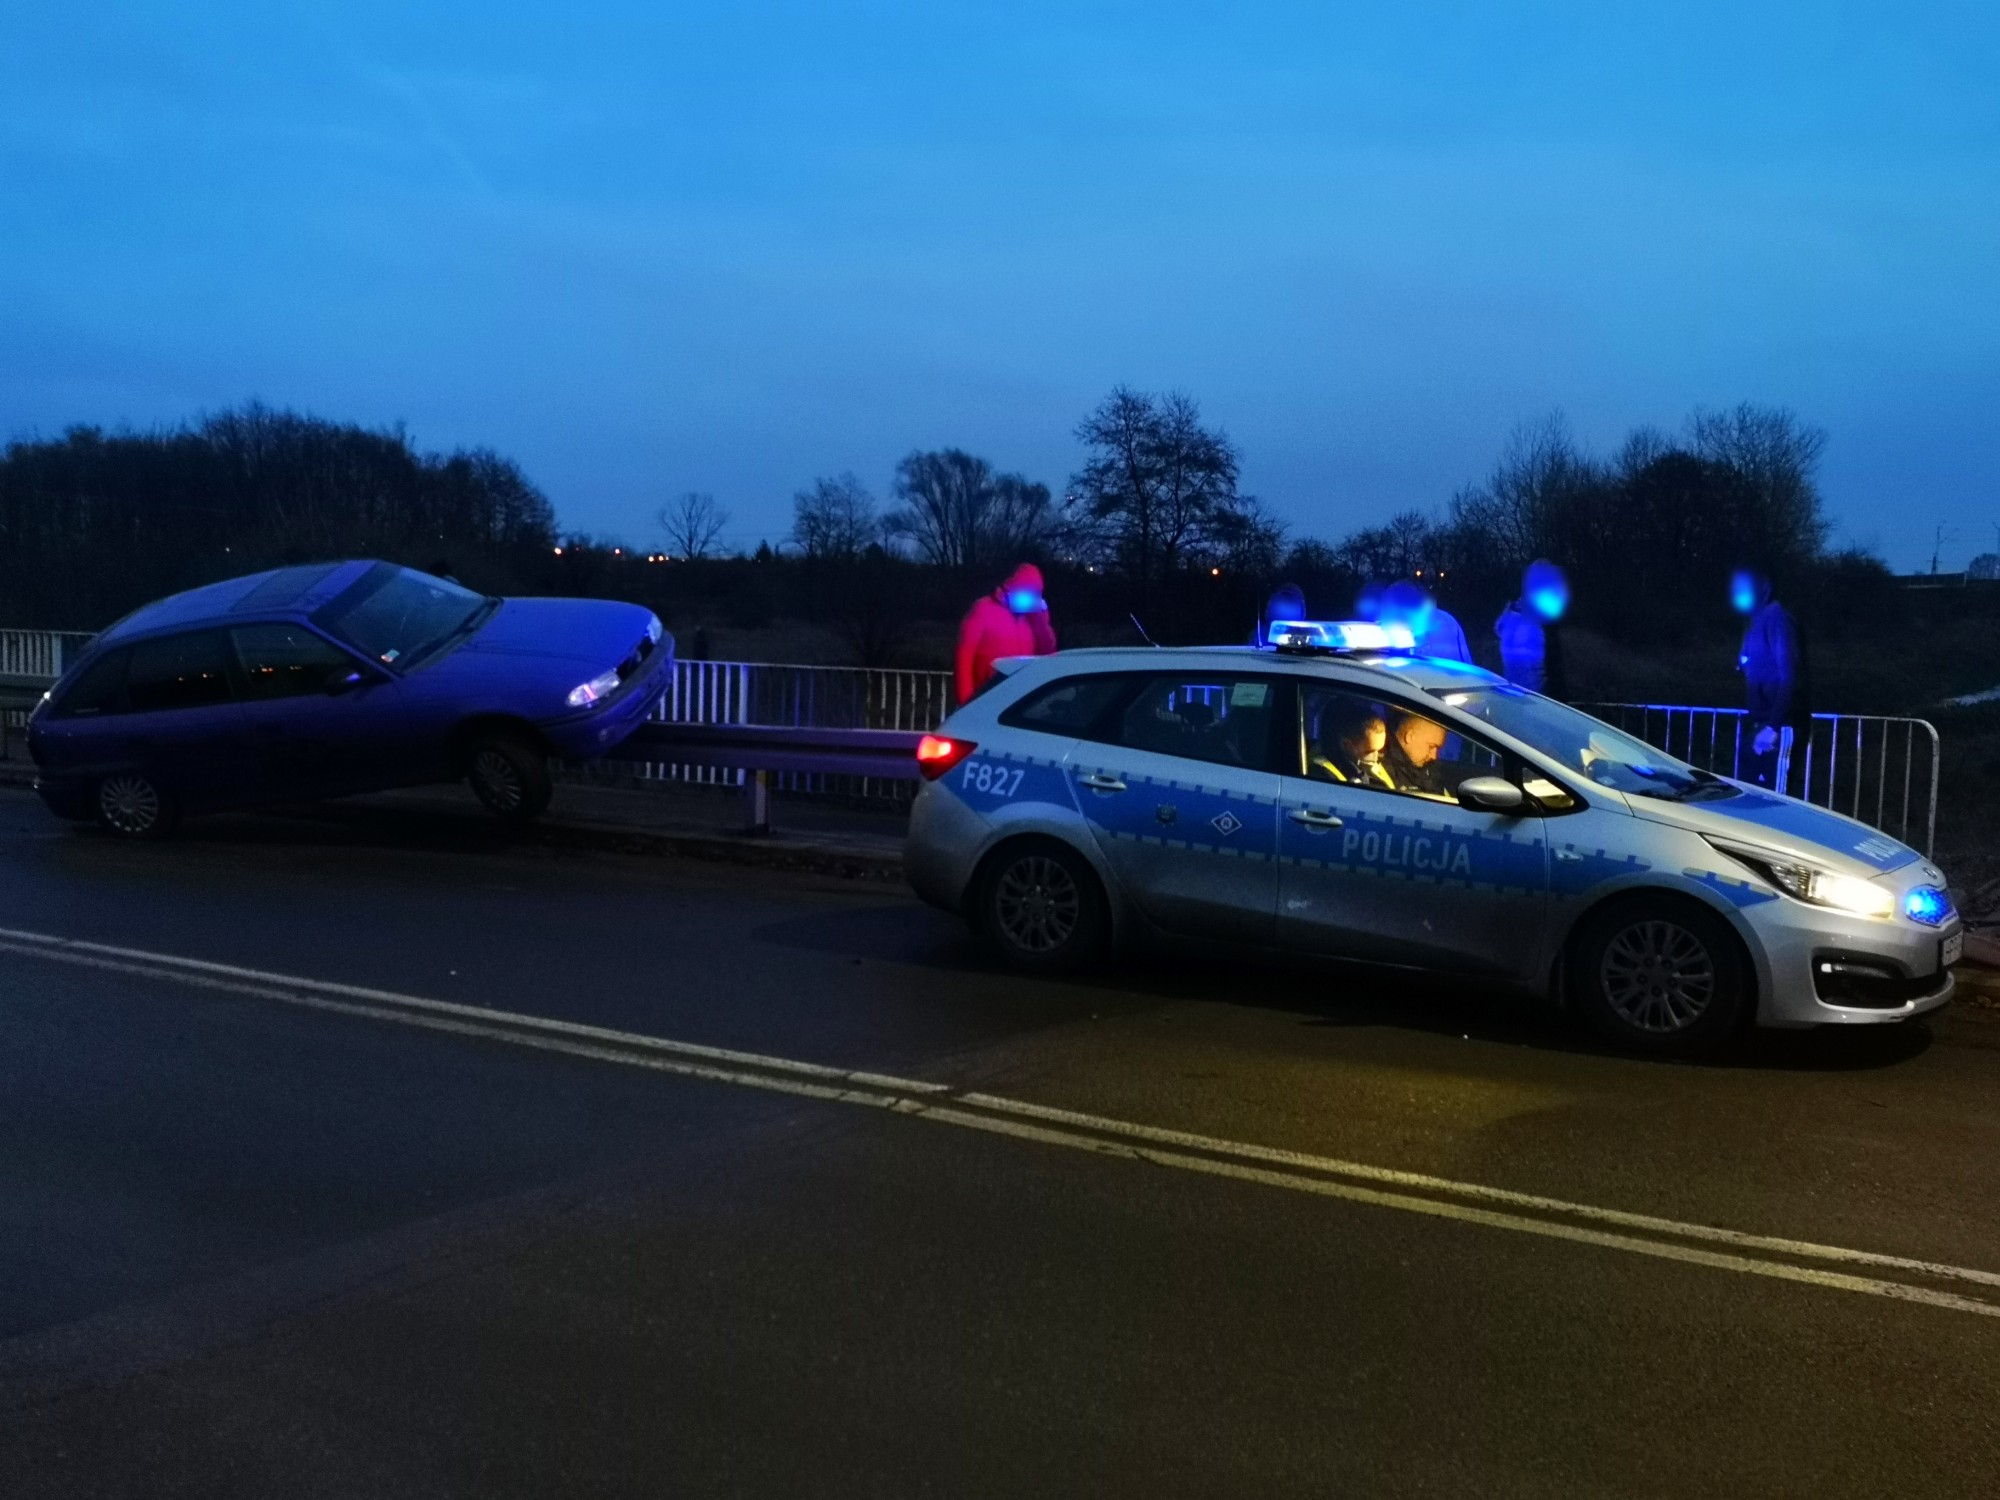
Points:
(586, 693)
(1928, 905)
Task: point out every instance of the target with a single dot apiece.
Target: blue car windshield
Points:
(398, 616)
(1587, 746)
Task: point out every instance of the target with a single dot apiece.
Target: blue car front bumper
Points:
(600, 729)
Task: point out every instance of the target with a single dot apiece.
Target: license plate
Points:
(1950, 950)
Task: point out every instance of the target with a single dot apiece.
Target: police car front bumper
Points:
(1819, 967)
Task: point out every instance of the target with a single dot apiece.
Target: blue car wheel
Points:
(510, 777)
(132, 806)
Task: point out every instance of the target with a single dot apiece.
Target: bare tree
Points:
(835, 518)
(1157, 488)
(692, 523)
(1777, 455)
(954, 511)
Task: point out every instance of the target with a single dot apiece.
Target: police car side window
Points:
(1073, 706)
(1385, 746)
(1218, 718)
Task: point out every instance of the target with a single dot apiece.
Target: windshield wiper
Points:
(478, 616)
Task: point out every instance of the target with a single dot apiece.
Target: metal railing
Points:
(778, 695)
(1881, 770)
(39, 653)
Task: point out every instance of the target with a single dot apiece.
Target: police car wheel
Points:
(1660, 976)
(1041, 907)
(510, 777)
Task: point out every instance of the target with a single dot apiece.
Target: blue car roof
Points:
(296, 590)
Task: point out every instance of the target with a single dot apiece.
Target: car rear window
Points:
(100, 690)
(1223, 719)
(181, 671)
(1072, 705)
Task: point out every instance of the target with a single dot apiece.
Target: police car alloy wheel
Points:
(1660, 976)
(132, 807)
(1040, 907)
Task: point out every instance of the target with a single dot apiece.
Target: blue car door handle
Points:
(1314, 819)
(1099, 783)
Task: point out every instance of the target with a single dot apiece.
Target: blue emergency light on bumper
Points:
(1928, 905)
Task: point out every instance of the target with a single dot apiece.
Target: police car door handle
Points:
(1099, 783)
(1313, 819)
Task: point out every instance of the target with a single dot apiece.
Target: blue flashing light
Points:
(1338, 635)
(1928, 905)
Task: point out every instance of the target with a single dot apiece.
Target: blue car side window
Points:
(179, 672)
(287, 661)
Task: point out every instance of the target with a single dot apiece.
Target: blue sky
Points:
(647, 248)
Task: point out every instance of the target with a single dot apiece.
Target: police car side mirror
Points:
(1491, 794)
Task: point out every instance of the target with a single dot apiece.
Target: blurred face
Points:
(1421, 740)
(1549, 601)
(1743, 592)
(1023, 601)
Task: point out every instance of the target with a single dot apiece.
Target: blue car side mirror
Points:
(347, 682)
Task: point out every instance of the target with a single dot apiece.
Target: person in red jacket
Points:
(1013, 620)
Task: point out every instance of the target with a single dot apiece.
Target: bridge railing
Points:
(776, 695)
(1879, 769)
(39, 653)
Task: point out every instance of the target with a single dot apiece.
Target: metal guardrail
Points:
(1879, 769)
(39, 653)
(758, 753)
(779, 695)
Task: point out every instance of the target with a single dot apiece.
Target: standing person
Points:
(1436, 632)
(1287, 602)
(1013, 620)
(1368, 603)
(1776, 684)
(1530, 645)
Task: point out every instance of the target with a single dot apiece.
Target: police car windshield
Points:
(1588, 746)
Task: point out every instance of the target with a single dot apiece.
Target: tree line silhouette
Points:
(1153, 524)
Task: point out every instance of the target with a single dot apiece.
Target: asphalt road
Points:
(380, 1158)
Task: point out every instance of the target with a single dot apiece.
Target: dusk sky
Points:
(645, 248)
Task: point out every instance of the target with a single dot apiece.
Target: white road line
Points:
(1043, 1124)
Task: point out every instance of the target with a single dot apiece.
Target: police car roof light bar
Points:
(1338, 635)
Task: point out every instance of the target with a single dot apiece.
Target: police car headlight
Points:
(1813, 884)
(586, 693)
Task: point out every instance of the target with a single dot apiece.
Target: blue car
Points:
(336, 678)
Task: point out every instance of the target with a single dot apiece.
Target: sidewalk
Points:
(662, 818)
(695, 822)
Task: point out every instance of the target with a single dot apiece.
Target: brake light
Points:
(937, 754)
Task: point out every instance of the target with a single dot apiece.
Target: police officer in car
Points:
(1411, 759)
(1352, 751)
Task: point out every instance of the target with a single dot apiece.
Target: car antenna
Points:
(1142, 632)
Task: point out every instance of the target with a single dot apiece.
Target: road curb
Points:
(771, 852)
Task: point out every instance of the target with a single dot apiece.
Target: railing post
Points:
(757, 801)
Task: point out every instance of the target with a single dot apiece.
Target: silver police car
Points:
(1345, 798)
